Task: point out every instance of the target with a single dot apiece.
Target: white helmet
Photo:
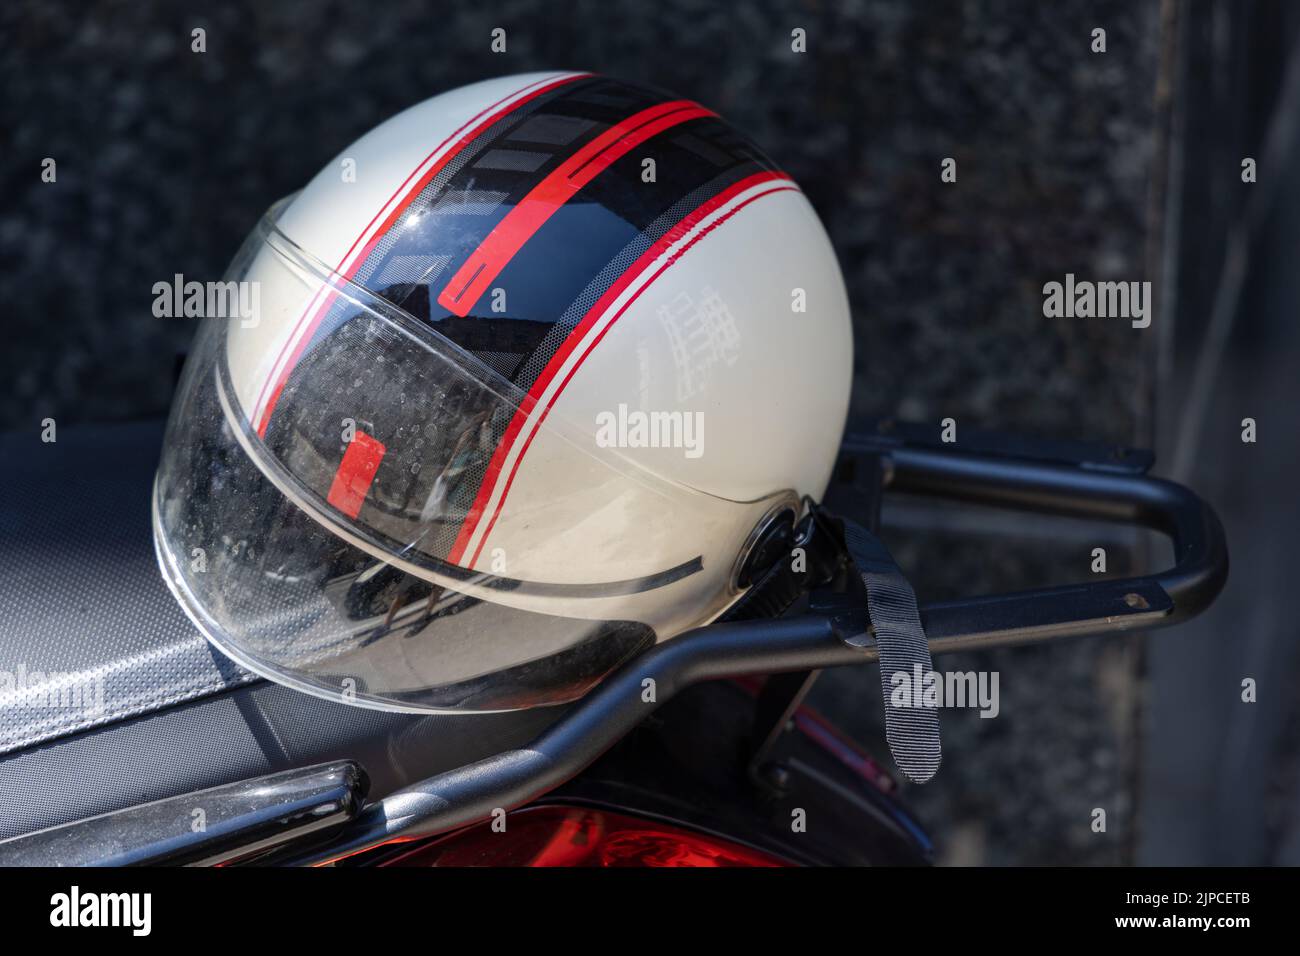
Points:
(526, 369)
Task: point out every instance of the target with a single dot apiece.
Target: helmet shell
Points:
(602, 336)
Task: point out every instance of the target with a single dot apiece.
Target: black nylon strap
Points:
(912, 730)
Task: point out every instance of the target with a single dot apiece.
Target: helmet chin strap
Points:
(827, 543)
(911, 724)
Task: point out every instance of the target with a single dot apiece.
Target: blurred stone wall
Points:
(166, 158)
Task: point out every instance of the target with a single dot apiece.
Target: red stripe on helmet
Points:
(356, 474)
(545, 199)
(350, 263)
(574, 339)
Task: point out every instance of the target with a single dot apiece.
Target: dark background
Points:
(1123, 165)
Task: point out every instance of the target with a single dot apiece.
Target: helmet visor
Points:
(349, 503)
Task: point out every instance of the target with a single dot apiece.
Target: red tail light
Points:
(574, 836)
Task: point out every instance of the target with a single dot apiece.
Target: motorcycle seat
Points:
(109, 696)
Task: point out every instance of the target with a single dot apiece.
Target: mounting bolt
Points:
(777, 775)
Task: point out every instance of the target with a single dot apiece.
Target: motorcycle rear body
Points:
(128, 739)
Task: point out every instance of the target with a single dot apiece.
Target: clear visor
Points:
(349, 503)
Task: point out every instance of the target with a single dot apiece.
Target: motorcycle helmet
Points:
(524, 373)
